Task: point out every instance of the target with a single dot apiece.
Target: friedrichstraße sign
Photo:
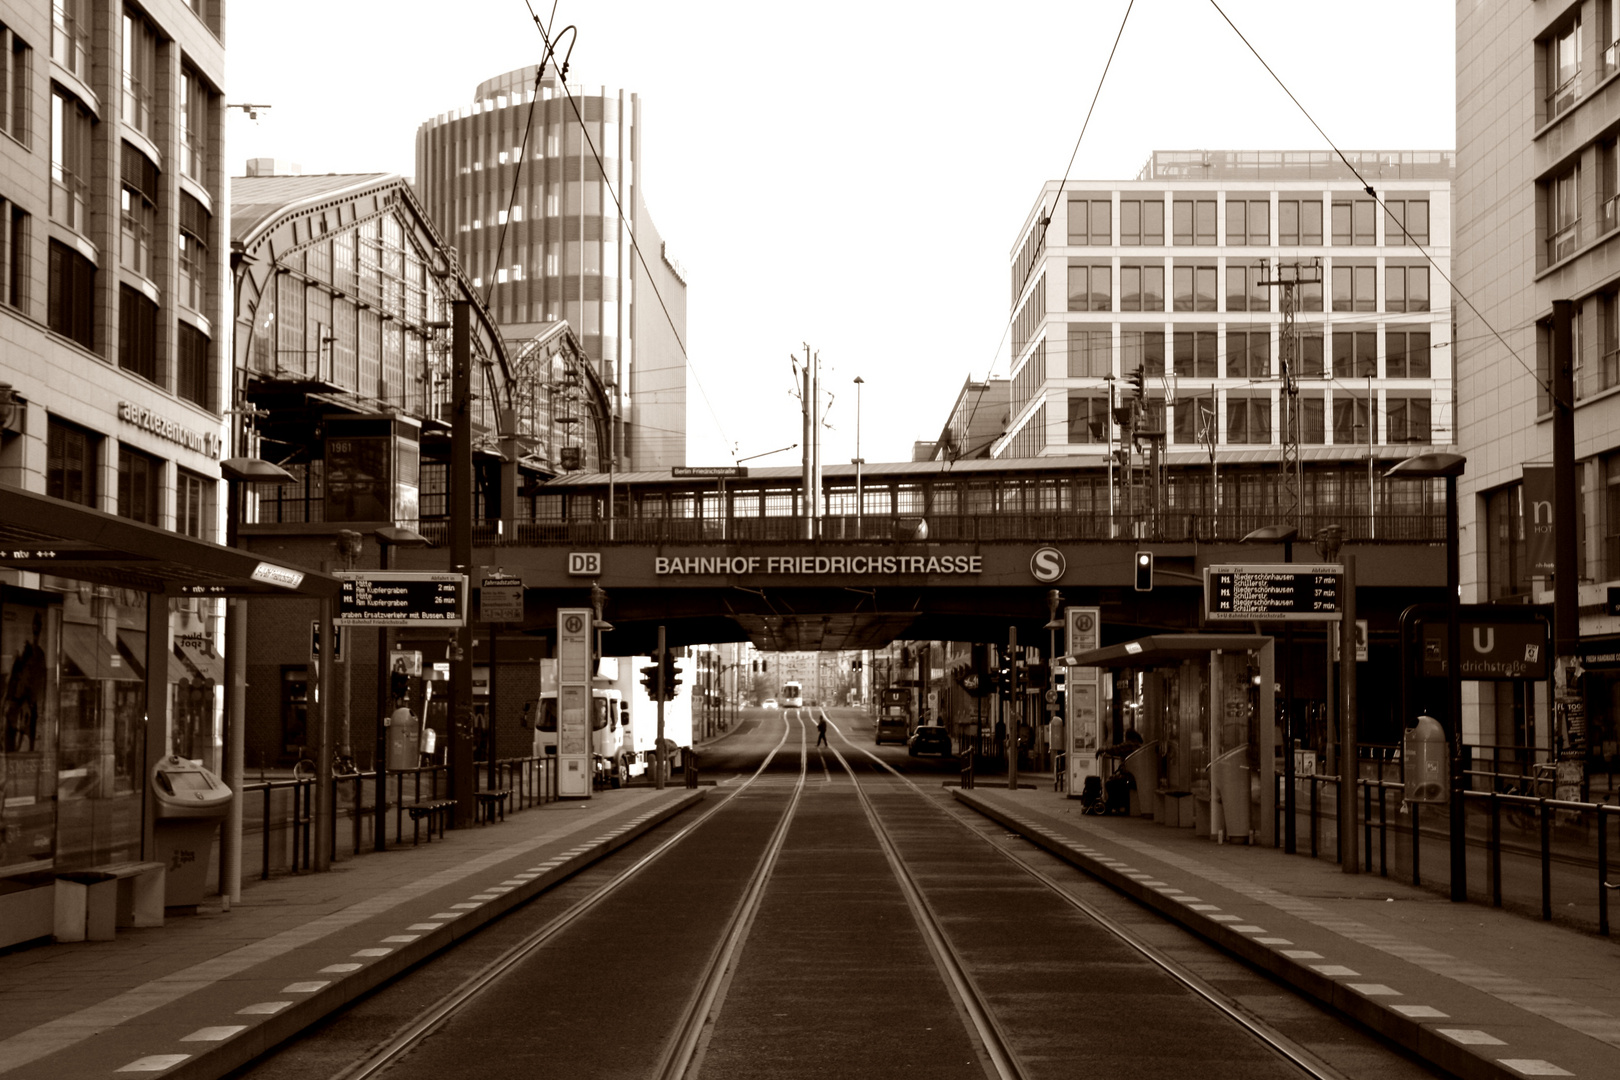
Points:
(713, 472)
(740, 565)
(402, 598)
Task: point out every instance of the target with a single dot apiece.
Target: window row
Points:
(16, 67)
(1248, 354)
(1248, 288)
(72, 465)
(1248, 223)
(1237, 417)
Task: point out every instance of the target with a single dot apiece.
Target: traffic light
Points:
(672, 677)
(649, 679)
(1144, 571)
(1138, 380)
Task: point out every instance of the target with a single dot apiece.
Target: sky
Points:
(852, 176)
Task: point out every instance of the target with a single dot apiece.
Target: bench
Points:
(437, 811)
(490, 803)
(92, 903)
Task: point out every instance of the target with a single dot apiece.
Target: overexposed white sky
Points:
(851, 175)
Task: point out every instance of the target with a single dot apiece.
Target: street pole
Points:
(1459, 854)
(658, 741)
(1349, 752)
(460, 490)
(385, 711)
(1290, 826)
(323, 740)
(808, 453)
(1013, 708)
(859, 461)
(1569, 706)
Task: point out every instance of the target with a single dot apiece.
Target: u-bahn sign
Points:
(1273, 592)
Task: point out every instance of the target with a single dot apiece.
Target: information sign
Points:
(724, 472)
(402, 598)
(1273, 592)
(574, 696)
(500, 598)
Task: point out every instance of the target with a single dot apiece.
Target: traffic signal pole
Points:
(658, 743)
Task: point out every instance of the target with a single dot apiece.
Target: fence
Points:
(1523, 849)
(278, 823)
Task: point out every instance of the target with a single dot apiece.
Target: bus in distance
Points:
(792, 696)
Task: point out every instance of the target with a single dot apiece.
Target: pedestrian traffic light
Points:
(1144, 571)
(649, 679)
(672, 676)
(1138, 380)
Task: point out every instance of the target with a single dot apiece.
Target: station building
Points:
(1538, 104)
(1168, 274)
(538, 186)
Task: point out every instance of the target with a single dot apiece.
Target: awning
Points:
(1162, 650)
(201, 659)
(132, 643)
(94, 655)
(49, 536)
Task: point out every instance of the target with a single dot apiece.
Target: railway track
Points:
(851, 926)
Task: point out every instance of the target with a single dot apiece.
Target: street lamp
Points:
(1448, 467)
(859, 461)
(1284, 535)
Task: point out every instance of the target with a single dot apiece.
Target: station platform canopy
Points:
(1159, 650)
(49, 536)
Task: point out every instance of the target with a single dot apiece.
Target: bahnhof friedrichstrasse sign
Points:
(754, 565)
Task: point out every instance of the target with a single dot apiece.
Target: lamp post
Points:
(237, 471)
(859, 461)
(388, 537)
(1449, 467)
(1285, 535)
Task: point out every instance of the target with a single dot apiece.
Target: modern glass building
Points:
(538, 188)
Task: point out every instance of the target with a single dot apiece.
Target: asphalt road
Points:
(834, 976)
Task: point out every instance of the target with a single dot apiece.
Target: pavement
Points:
(204, 994)
(1479, 992)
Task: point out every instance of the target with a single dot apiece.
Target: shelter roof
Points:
(1159, 650)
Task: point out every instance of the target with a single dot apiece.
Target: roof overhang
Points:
(49, 536)
(1160, 650)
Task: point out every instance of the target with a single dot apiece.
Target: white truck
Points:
(624, 719)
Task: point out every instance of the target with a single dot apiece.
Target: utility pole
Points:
(1569, 704)
(1288, 279)
(460, 488)
(807, 456)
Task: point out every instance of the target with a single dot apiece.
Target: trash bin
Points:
(191, 803)
(404, 740)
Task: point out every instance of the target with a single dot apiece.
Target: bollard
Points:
(689, 763)
(967, 768)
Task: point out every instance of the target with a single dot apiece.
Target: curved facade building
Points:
(537, 225)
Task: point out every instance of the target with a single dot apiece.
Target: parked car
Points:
(931, 739)
(768, 703)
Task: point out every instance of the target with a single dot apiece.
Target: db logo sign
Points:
(1046, 564)
(584, 563)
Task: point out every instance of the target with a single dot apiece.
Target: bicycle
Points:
(1539, 783)
(342, 766)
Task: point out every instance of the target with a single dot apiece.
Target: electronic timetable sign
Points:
(402, 598)
(1273, 592)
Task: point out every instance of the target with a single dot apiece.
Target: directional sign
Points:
(500, 598)
(402, 598)
(1273, 592)
(690, 472)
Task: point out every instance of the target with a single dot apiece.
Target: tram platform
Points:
(1479, 992)
(204, 994)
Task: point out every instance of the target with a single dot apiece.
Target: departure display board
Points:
(1273, 592)
(402, 598)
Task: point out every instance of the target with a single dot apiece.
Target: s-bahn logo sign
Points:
(1047, 565)
(754, 565)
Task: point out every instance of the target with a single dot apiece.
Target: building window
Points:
(1406, 221)
(70, 310)
(1311, 353)
(1243, 289)
(139, 212)
(1353, 222)
(1142, 349)
(1504, 543)
(70, 36)
(1090, 287)
(1355, 353)
(1141, 222)
(1355, 288)
(70, 160)
(196, 110)
(1406, 354)
(14, 256)
(1091, 221)
(1195, 353)
(1248, 354)
(137, 335)
(1563, 214)
(1248, 418)
(70, 463)
(1088, 417)
(1310, 406)
(1299, 222)
(1406, 288)
(191, 376)
(16, 56)
(1090, 353)
(1564, 68)
(140, 71)
(1248, 222)
(1193, 221)
(193, 253)
(1349, 419)
(1194, 420)
(1141, 288)
(1194, 288)
(139, 478)
(191, 504)
(1611, 518)
(1029, 378)
(1406, 418)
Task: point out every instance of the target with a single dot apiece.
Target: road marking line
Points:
(1301, 954)
(1335, 970)
(371, 952)
(338, 969)
(214, 1034)
(1374, 989)
(1226, 918)
(1250, 929)
(263, 1008)
(1273, 941)
(155, 1063)
(424, 926)
(467, 907)
(1205, 907)
(1470, 1037)
(1421, 1012)
(446, 915)
(1533, 1067)
(485, 896)
(401, 939)
(305, 987)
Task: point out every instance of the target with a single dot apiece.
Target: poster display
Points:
(1083, 633)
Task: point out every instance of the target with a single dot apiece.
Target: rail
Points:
(283, 826)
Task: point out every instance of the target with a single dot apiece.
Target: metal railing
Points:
(279, 817)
